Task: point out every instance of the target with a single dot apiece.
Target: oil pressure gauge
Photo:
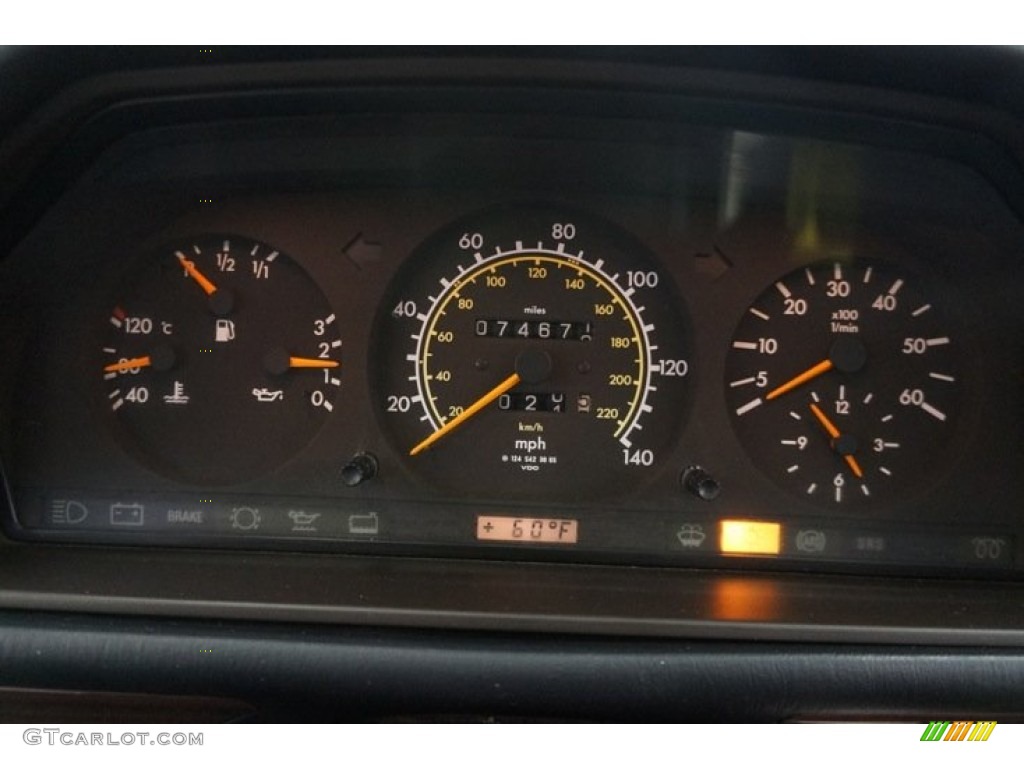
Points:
(843, 383)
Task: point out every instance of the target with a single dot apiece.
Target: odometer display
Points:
(524, 354)
(535, 329)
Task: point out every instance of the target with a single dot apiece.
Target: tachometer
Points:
(843, 383)
(528, 353)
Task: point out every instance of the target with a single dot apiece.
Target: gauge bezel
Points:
(515, 231)
(957, 428)
(155, 262)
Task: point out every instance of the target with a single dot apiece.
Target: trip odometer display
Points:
(532, 354)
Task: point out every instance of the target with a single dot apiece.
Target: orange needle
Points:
(124, 365)
(196, 275)
(834, 434)
(811, 373)
(825, 421)
(311, 362)
(469, 413)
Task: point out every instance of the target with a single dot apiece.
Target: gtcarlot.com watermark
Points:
(59, 737)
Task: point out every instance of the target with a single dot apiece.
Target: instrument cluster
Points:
(716, 348)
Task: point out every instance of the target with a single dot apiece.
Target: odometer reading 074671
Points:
(532, 354)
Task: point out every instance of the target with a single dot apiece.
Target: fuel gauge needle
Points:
(467, 414)
(195, 274)
(833, 432)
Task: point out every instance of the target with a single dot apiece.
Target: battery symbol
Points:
(126, 514)
(366, 525)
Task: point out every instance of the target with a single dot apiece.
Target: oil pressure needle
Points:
(469, 413)
(311, 362)
(833, 432)
(277, 362)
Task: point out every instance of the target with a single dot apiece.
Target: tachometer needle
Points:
(811, 373)
(196, 275)
(124, 365)
(846, 355)
(311, 362)
(833, 432)
(469, 413)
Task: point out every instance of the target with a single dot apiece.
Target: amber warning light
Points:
(532, 530)
(750, 537)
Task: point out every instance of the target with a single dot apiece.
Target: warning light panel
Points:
(750, 537)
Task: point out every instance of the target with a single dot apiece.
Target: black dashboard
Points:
(514, 383)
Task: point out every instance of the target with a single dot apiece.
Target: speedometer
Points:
(533, 354)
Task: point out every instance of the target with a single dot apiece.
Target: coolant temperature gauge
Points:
(221, 360)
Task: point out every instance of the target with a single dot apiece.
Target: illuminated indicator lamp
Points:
(749, 537)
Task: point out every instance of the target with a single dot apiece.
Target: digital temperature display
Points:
(533, 530)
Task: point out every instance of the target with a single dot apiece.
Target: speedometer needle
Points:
(833, 432)
(467, 414)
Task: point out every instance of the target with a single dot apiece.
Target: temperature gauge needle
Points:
(833, 432)
(311, 362)
(196, 275)
(124, 365)
(469, 413)
(160, 358)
